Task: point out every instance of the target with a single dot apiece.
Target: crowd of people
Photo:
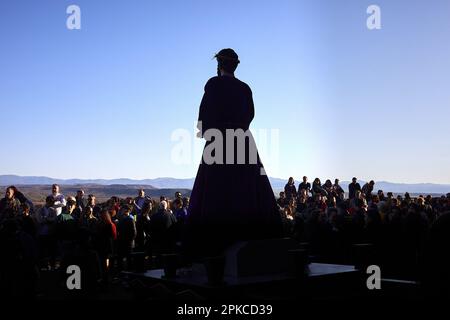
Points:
(70, 230)
(102, 237)
(409, 237)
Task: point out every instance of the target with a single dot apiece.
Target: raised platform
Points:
(320, 281)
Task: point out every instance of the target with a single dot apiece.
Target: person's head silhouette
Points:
(227, 62)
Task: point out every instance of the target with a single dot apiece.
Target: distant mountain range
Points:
(160, 183)
(174, 183)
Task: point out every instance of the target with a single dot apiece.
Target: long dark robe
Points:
(229, 202)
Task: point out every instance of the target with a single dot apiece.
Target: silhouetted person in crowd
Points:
(328, 186)
(46, 222)
(407, 197)
(353, 187)
(367, 189)
(337, 190)
(59, 199)
(23, 199)
(227, 108)
(290, 190)
(26, 221)
(186, 201)
(359, 221)
(304, 185)
(66, 214)
(180, 213)
(163, 230)
(88, 221)
(81, 202)
(317, 188)
(143, 227)
(92, 202)
(139, 202)
(9, 205)
(104, 242)
(301, 204)
(66, 226)
(282, 200)
(67, 232)
(126, 234)
(381, 195)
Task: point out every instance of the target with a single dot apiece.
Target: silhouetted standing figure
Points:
(231, 199)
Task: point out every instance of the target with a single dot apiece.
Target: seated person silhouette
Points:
(232, 198)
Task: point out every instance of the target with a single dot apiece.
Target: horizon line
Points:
(166, 177)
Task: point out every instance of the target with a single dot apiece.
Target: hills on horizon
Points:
(159, 183)
(187, 183)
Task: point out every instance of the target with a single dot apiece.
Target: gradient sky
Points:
(103, 101)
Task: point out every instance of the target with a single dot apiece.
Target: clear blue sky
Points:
(102, 102)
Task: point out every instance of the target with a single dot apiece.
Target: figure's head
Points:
(227, 61)
(80, 194)
(305, 179)
(71, 204)
(88, 211)
(420, 201)
(354, 179)
(9, 194)
(163, 205)
(91, 200)
(147, 208)
(49, 201)
(126, 210)
(55, 189)
(26, 208)
(178, 203)
(141, 193)
(291, 180)
(394, 202)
